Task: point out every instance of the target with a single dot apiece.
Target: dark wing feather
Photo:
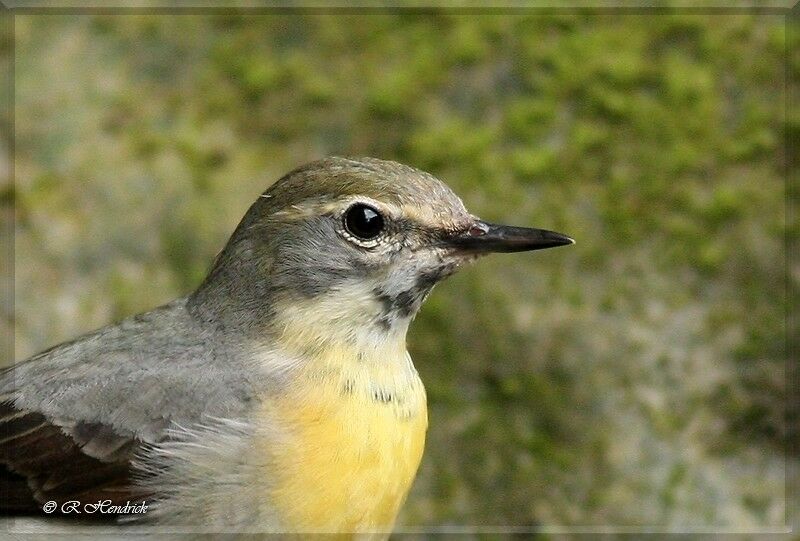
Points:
(43, 460)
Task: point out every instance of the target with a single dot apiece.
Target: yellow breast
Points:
(350, 442)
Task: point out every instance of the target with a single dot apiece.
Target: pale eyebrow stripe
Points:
(317, 206)
(405, 214)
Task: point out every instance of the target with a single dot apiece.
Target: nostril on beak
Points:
(478, 230)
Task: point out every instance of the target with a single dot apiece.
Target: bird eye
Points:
(363, 221)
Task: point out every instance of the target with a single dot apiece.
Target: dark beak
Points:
(484, 238)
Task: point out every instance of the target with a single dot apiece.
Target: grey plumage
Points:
(145, 371)
(117, 389)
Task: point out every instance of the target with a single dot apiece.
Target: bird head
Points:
(351, 248)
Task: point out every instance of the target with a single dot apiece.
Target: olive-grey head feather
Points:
(300, 240)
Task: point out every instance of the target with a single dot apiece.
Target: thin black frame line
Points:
(422, 10)
(791, 21)
(7, 26)
(791, 193)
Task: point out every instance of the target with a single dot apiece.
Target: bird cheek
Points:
(435, 272)
(453, 261)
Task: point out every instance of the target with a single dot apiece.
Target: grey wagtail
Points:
(278, 396)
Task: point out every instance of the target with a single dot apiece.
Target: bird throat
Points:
(357, 416)
(355, 340)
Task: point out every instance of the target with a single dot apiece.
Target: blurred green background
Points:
(636, 378)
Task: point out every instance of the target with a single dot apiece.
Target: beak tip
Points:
(559, 239)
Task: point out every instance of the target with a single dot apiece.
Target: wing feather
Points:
(41, 461)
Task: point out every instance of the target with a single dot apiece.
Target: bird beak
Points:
(484, 238)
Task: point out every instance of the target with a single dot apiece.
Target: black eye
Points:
(363, 221)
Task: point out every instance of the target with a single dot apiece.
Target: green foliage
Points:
(635, 378)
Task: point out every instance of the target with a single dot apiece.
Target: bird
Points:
(278, 396)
